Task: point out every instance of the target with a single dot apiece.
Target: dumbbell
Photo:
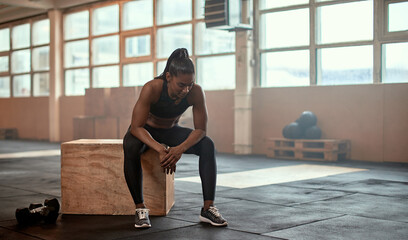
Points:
(38, 212)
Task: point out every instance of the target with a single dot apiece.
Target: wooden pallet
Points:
(304, 149)
(8, 133)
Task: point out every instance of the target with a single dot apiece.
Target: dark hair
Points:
(178, 62)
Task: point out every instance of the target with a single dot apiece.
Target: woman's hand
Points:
(170, 160)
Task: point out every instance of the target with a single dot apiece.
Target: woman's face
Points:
(179, 86)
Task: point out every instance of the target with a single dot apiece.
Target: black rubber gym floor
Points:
(367, 204)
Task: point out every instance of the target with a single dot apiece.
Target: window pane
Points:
(345, 22)
(41, 84)
(397, 17)
(395, 64)
(105, 20)
(210, 41)
(170, 38)
(4, 39)
(21, 85)
(216, 72)
(285, 29)
(199, 11)
(345, 65)
(169, 11)
(160, 67)
(4, 87)
(76, 25)
(105, 50)
(76, 81)
(137, 74)
(76, 54)
(41, 32)
(20, 61)
(105, 77)
(265, 4)
(4, 63)
(137, 46)
(137, 14)
(21, 36)
(41, 58)
(283, 69)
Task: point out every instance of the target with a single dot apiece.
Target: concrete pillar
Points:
(243, 88)
(56, 74)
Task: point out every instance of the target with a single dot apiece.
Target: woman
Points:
(155, 122)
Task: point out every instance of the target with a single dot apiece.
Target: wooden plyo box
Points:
(93, 182)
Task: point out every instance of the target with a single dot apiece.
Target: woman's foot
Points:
(142, 218)
(212, 216)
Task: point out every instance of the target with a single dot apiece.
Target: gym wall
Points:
(373, 116)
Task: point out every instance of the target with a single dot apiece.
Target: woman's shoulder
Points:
(151, 91)
(153, 86)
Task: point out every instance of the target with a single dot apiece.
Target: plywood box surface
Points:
(93, 182)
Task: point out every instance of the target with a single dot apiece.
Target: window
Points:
(339, 47)
(265, 4)
(345, 22)
(21, 85)
(137, 74)
(4, 63)
(104, 77)
(121, 44)
(345, 65)
(41, 84)
(168, 11)
(105, 20)
(41, 30)
(287, 68)
(4, 39)
(21, 36)
(137, 14)
(76, 54)
(295, 31)
(397, 16)
(210, 41)
(395, 64)
(76, 81)
(76, 25)
(170, 38)
(21, 61)
(105, 50)
(4, 87)
(137, 46)
(217, 72)
(24, 58)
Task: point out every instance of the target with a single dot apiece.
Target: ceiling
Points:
(15, 9)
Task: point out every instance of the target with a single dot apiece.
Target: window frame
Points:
(380, 36)
(123, 34)
(31, 47)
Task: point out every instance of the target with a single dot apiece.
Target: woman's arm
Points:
(200, 128)
(140, 115)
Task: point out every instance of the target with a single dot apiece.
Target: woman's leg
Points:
(204, 149)
(133, 148)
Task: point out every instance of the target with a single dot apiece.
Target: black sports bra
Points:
(165, 107)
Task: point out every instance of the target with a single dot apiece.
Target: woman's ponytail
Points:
(178, 62)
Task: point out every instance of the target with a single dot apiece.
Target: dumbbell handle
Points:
(41, 210)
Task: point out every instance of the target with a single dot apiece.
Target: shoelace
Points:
(142, 213)
(214, 211)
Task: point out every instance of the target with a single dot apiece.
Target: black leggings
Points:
(174, 136)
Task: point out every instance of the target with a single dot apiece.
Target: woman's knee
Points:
(131, 145)
(207, 144)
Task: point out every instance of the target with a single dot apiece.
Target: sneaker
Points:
(142, 218)
(212, 216)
